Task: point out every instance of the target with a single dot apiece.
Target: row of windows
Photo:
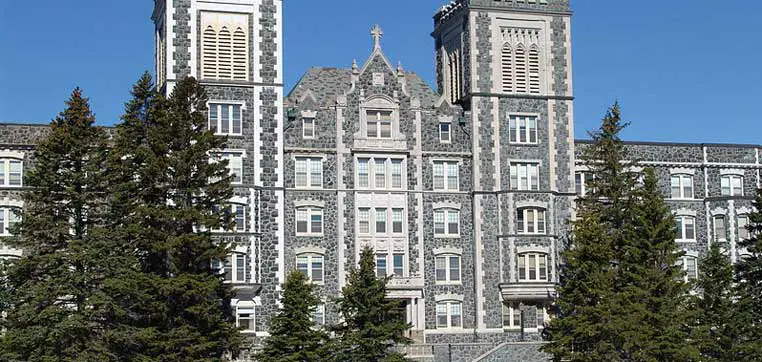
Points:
(382, 217)
(686, 228)
(681, 185)
(512, 317)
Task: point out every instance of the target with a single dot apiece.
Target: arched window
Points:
(533, 267)
(506, 59)
(11, 172)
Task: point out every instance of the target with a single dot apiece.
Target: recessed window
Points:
(445, 134)
(225, 119)
(380, 221)
(233, 268)
(531, 221)
(235, 165)
(309, 221)
(11, 172)
(397, 221)
(686, 228)
(379, 171)
(311, 265)
(511, 316)
(245, 318)
(308, 172)
(449, 314)
(363, 221)
(447, 268)
(523, 129)
(396, 173)
(446, 222)
(446, 175)
(387, 173)
(731, 185)
(533, 267)
(525, 176)
(689, 265)
(720, 228)
(398, 264)
(318, 315)
(379, 124)
(308, 127)
(682, 186)
(742, 223)
(9, 217)
(583, 182)
(238, 213)
(381, 270)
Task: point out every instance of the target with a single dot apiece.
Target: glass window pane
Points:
(440, 267)
(240, 267)
(379, 169)
(302, 264)
(399, 264)
(236, 119)
(14, 173)
(439, 222)
(452, 176)
(380, 221)
(397, 221)
(522, 267)
(690, 231)
(532, 267)
(213, 117)
(743, 232)
(386, 129)
(381, 265)
(452, 222)
(317, 222)
(680, 232)
(224, 118)
(362, 172)
(397, 173)
(454, 268)
(439, 175)
(317, 268)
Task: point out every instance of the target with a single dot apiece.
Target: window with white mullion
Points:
(309, 221)
(533, 267)
(311, 265)
(379, 124)
(225, 119)
(449, 314)
(445, 132)
(531, 221)
(11, 172)
(731, 185)
(308, 172)
(447, 268)
(381, 269)
(525, 176)
(9, 217)
(398, 221)
(583, 182)
(396, 173)
(234, 166)
(686, 228)
(445, 175)
(318, 314)
(523, 129)
(363, 221)
(245, 318)
(742, 223)
(681, 186)
(308, 128)
(720, 228)
(233, 268)
(381, 221)
(511, 316)
(446, 222)
(379, 170)
(689, 264)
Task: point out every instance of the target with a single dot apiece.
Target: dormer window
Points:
(379, 123)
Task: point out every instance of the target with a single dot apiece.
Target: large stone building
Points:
(463, 191)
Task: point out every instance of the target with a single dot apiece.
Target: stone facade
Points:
(451, 187)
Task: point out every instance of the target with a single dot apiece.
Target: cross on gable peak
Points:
(377, 33)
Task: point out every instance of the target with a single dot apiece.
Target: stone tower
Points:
(235, 49)
(508, 64)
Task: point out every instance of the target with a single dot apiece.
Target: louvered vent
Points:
(239, 55)
(521, 70)
(507, 68)
(224, 54)
(534, 70)
(225, 46)
(209, 53)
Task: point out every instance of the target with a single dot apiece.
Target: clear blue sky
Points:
(683, 70)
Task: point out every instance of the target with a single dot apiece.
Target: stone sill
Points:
(528, 291)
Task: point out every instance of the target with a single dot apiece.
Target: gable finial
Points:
(377, 34)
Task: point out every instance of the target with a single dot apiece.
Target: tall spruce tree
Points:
(60, 308)
(166, 194)
(371, 326)
(621, 296)
(713, 331)
(294, 336)
(747, 318)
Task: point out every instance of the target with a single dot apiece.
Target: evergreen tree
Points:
(60, 308)
(713, 306)
(165, 194)
(294, 337)
(371, 326)
(748, 311)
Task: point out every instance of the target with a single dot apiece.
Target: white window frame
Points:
(378, 122)
(318, 315)
(448, 277)
(382, 255)
(305, 121)
(218, 104)
(310, 212)
(731, 179)
(581, 182)
(363, 218)
(397, 217)
(519, 137)
(742, 227)
(449, 175)
(686, 262)
(525, 176)
(388, 166)
(525, 259)
(446, 215)
(5, 171)
(235, 163)
(233, 208)
(513, 314)
(445, 132)
(722, 222)
(679, 182)
(248, 310)
(313, 170)
(446, 308)
(391, 268)
(312, 259)
(6, 216)
(682, 228)
(235, 267)
(534, 218)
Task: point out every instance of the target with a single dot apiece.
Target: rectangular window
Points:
(686, 228)
(525, 176)
(449, 314)
(235, 165)
(446, 222)
(380, 221)
(309, 221)
(239, 216)
(690, 267)
(720, 228)
(681, 186)
(444, 132)
(743, 223)
(379, 170)
(379, 124)
(225, 119)
(396, 173)
(511, 316)
(447, 268)
(10, 172)
(311, 265)
(363, 220)
(397, 217)
(308, 172)
(9, 217)
(318, 315)
(523, 129)
(240, 267)
(399, 264)
(363, 173)
(308, 128)
(381, 265)
(245, 318)
(583, 182)
(731, 185)
(445, 175)
(531, 221)
(533, 267)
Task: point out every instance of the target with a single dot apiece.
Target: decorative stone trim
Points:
(446, 205)
(446, 297)
(718, 212)
(732, 171)
(744, 210)
(239, 200)
(531, 203)
(682, 171)
(309, 250)
(445, 119)
(685, 212)
(309, 202)
(12, 154)
(309, 114)
(532, 249)
(448, 250)
(12, 203)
